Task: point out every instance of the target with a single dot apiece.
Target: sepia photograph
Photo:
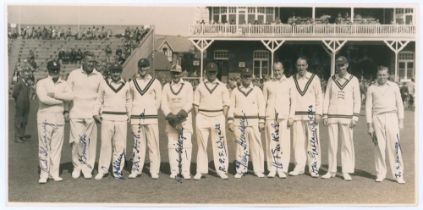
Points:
(270, 104)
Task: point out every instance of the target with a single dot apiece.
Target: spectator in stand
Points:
(339, 19)
(61, 55)
(119, 51)
(108, 51)
(68, 34)
(78, 56)
(67, 56)
(54, 33)
(72, 55)
(120, 59)
(109, 33)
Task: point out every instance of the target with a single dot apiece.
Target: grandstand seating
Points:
(46, 50)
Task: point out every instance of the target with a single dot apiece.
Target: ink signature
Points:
(397, 158)
(136, 152)
(180, 150)
(221, 148)
(43, 150)
(116, 164)
(314, 154)
(243, 157)
(83, 143)
(276, 152)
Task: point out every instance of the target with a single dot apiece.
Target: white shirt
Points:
(146, 95)
(342, 97)
(85, 88)
(280, 98)
(247, 104)
(114, 100)
(52, 106)
(211, 97)
(382, 99)
(309, 96)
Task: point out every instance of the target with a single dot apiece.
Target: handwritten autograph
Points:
(83, 143)
(136, 152)
(180, 149)
(116, 164)
(44, 148)
(397, 158)
(276, 152)
(221, 148)
(243, 159)
(313, 153)
(43, 151)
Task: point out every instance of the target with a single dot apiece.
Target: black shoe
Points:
(19, 140)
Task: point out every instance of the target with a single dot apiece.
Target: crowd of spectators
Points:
(73, 56)
(67, 33)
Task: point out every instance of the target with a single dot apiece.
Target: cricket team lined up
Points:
(286, 106)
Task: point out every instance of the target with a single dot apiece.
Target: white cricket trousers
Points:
(278, 145)
(83, 137)
(213, 128)
(306, 144)
(248, 140)
(388, 139)
(145, 135)
(180, 150)
(50, 142)
(344, 133)
(113, 146)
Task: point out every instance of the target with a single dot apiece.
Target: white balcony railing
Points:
(304, 30)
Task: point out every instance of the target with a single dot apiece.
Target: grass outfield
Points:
(362, 190)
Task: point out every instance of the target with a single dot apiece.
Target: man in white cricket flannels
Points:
(176, 104)
(246, 118)
(385, 117)
(341, 108)
(52, 93)
(146, 94)
(84, 83)
(114, 101)
(211, 103)
(280, 109)
(308, 112)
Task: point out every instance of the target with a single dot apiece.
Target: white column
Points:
(396, 67)
(201, 64)
(332, 63)
(271, 63)
(237, 17)
(220, 15)
(352, 15)
(393, 16)
(274, 14)
(313, 16)
(212, 15)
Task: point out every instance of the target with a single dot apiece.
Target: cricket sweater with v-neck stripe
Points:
(114, 100)
(211, 97)
(247, 103)
(146, 96)
(342, 97)
(309, 96)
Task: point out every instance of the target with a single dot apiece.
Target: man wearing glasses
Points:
(84, 83)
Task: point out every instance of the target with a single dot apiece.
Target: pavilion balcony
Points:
(301, 31)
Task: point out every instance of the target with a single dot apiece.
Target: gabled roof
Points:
(177, 44)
